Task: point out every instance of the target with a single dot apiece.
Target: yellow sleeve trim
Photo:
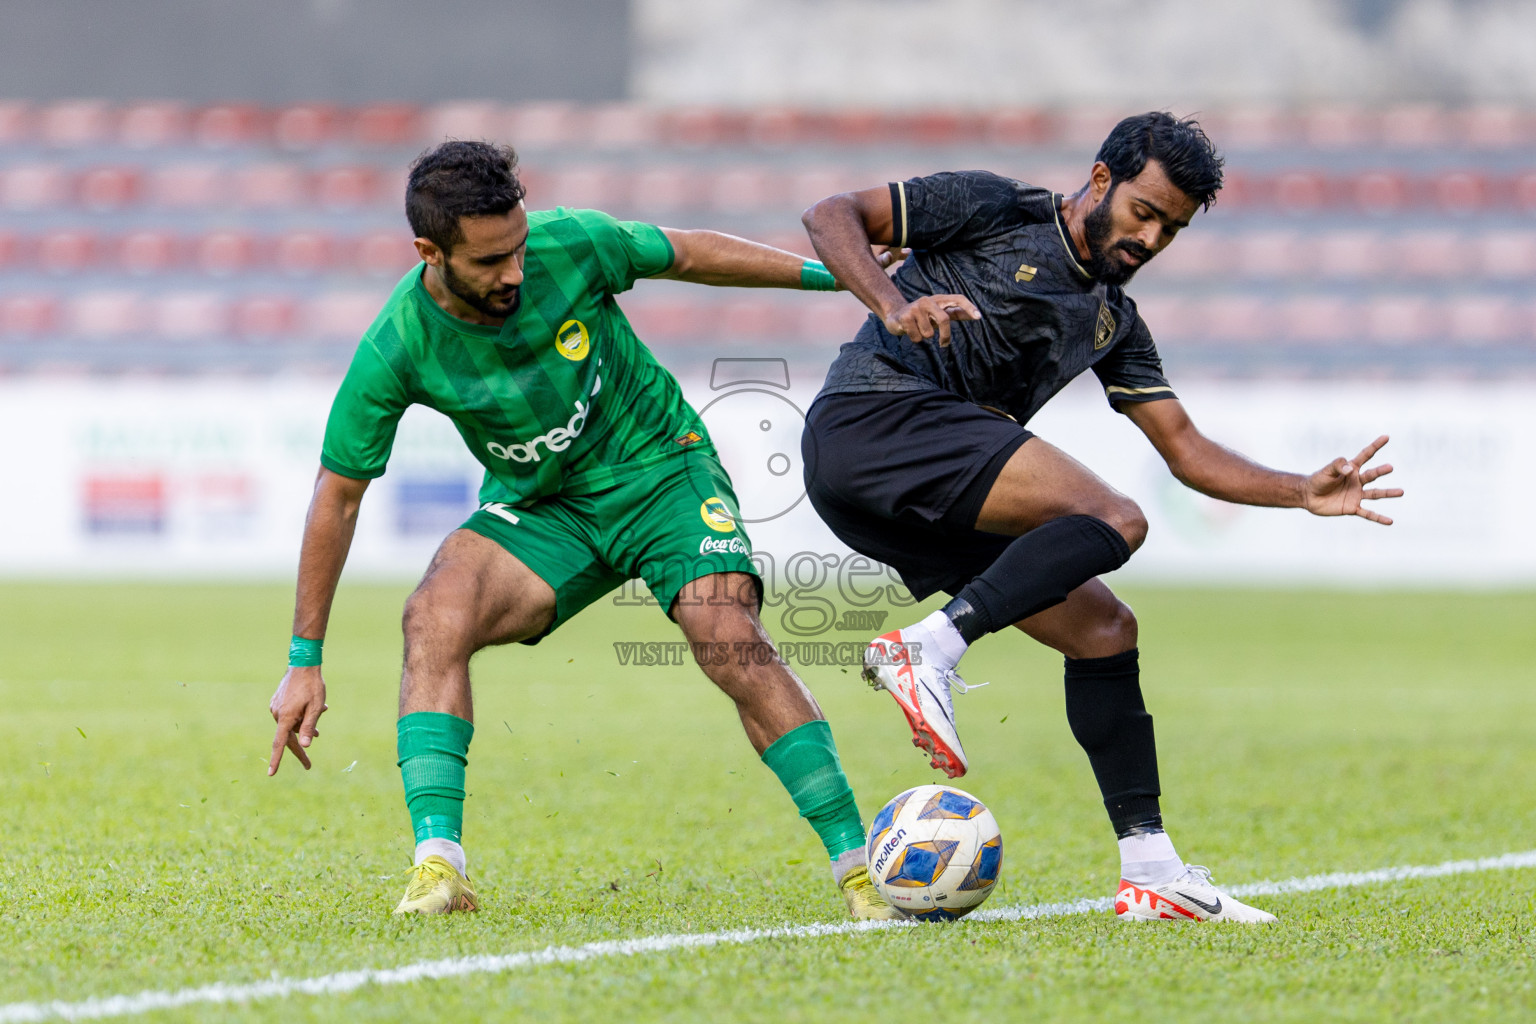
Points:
(1116, 389)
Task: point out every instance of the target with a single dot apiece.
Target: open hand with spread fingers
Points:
(1339, 487)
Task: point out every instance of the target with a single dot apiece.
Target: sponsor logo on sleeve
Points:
(723, 546)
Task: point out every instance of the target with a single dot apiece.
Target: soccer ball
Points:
(935, 853)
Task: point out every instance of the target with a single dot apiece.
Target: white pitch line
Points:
(431, 970)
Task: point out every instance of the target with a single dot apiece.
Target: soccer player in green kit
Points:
(597, 472)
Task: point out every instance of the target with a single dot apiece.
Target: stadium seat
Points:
(1317, 318)
(1022, 126)
(1415, 126)
(752, 319)
(107, 314)
(189, 185)
(1437, 253)
(1399, 319)
(346, 188)
(143, 253)
(1525, 193)
(264, 316)
(387, 124)
(34, 186)
(223, 127)
(1269, 254)
(271, 186)
(669, 320)
(1340, 126)
(623, 126)
(183, 315)
(582, 186)
(1250, 127)
(1350, 254)
(76, 124)
(1509, 255)
(1461, 192)
(305, 127)
(15, 122)
(67, 252)
(1494, 126)
(109, 188)
(827, 320)
(704, 126)
(466, 121)
(10, 248)
(341, 315)
(745, 188)
(1483, 318)
(1170, 318)
(304, 253)
(1380, 192)
(386, 253)
(662, 189)
(1192, 255)
(151, 125)
(1300, 192)
(544, 125)
(28, 314)
(1235, 318)
(224, 253)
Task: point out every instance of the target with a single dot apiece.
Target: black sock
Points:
(1110, 721)
(1036, 571)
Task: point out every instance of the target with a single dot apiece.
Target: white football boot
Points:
(923, 694)
(1190, 897)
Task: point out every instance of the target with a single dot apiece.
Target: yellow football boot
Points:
(864, 901)
(437, 888)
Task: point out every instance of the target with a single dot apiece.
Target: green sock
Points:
(805, 760)
(433, 752)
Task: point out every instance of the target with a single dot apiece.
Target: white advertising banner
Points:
(210, 478)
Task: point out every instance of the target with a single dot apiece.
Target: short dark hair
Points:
(1188, 156)
(460, 179)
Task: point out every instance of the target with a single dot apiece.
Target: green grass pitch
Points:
(1299, 732)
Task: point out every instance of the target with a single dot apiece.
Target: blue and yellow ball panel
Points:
(950, 804)
(921, 863)
(986, 867)
(938, 914)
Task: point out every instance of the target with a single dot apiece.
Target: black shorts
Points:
(901, 476)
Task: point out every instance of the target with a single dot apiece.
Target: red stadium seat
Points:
(387, 124)
(15, 122)
(224, 253)
(225, 126)
(189, 185)
(668, 320)
(305, 253)
(1399, 319)
(802, 188)
(107, 314)
(273, 186)
(182, 315)
(752, 319)
(588, 186)
(1380, 192)
(305, 127)
(1495, 127)
(110, 188)
(623, 126)
(1484, 318)
(1437, 254)
(1302, 192)
(1340, 126)
(386, 253)
(341, 315)
(1169, 317)
(658, 189)
(265, 316)
(1023, 126)
(741, 189)
(705, 126)
(1252, 127)
(794, 241)
(1508, 254)
(148, 125)
(1084, 127)
(67, 252)
(346, 188)
(1415, 126)
(1461, 192)
(34, 186)
(148, 252)
(1236, 318)
(466, 121)
(826, 319)
(1525, 193)
(536, 125)
(76, 124)
(1269, 253)
(1194, 255)
(10, 247)
(1321, 318)
(1350, 254)
(26, 314)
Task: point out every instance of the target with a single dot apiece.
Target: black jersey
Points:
(1044, 319)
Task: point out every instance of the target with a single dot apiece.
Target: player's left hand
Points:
(1338, 488)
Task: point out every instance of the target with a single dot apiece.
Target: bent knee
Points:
(1112, 631)
(1127, 519)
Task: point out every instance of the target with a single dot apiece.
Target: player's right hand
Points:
(928, 315)
(296, 707)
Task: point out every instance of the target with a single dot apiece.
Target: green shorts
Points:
(668, 526)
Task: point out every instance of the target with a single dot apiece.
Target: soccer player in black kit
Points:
(916, 451)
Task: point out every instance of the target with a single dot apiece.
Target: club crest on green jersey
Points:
(573, 341)
(717, 515)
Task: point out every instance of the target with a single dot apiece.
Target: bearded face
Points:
(1112, 259)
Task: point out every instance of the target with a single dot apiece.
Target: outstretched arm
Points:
(1198, 462)
(710, 257)
(842, 228)
(300, 697)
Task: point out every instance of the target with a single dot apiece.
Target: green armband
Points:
(815, 277)
(303, 651)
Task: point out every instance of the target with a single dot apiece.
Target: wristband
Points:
(303, 651)
(815, 277)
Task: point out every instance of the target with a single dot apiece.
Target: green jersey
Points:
(563, 398)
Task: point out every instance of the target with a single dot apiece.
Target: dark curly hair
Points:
(1187, 155)
(460, 179)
